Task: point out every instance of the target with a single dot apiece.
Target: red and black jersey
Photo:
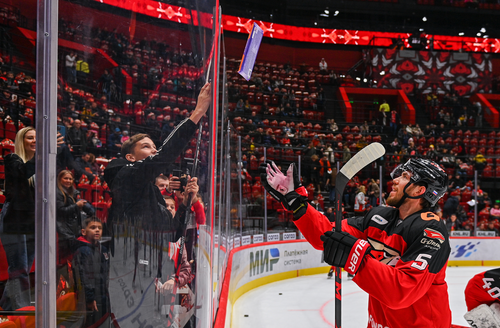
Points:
(405, 274)
(483, 288)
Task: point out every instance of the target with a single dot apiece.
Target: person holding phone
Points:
(69, 207)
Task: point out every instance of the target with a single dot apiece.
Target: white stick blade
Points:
(364, 157)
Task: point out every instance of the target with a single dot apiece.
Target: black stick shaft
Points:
(338, 270)
(340, 183)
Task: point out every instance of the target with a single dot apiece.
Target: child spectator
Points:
(495, 211)
(91, 268)
(125, 136)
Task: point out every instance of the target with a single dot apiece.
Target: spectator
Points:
(69, 207)
(330, 185)
(325, 170)
(91, 268)
(124, 137)
(384, 110)
(11, 82)
(373, 192)
(136, 200)
(480, 162)
(495, 211)
(404, 137)
(330, 214)
(394, 120)
(395, 145)
(71, 67)
(452, 223)
(361, 143)
(315, 172)
(105, 81)
(346, 155)
(114, 141)
(479, 114)
(456, 182)
(360, 201)
(491, 227)
(332, 125)
(76, 138)
(82, 70)
(432, 154)
(18, 218)
(450, 206)
(82, 167)
(323, 66)
(96, 169)
(375, 128)
(315, 203)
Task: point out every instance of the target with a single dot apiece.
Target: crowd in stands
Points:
(281, 108)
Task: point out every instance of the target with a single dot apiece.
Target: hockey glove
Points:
(286, 189)
(344, 250)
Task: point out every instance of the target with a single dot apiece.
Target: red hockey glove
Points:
(343, 250)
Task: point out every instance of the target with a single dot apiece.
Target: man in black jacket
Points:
(77, 138)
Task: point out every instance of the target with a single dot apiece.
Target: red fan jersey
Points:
(404, 274)
(483, 288)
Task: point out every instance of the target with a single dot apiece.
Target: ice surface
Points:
(308, 301)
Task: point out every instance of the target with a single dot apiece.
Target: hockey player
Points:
(482, 296)
(398, 254)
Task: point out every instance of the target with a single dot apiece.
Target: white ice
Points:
(308, 301)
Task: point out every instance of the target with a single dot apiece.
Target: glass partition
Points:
(133, 228)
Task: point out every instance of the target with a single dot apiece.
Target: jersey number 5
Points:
(423, 262)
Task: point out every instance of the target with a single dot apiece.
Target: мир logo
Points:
(260, 261)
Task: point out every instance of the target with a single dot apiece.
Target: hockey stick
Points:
(364, 157)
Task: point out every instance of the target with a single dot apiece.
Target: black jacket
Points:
(68, 217)
(19, 217)
(136, 199)
(91, 273)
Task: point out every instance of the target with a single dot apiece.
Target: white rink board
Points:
(475, 249)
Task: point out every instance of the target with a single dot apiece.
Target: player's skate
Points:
(330, 273)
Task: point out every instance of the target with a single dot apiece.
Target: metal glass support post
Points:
(475, 200)
(380, 184)
(46, 151)
(265, 202)
(240, 168)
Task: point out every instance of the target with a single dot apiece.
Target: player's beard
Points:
(393, 200)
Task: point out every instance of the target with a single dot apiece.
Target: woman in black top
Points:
(18, 220)
(69, 207)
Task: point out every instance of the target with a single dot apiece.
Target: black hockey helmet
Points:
(427, 172)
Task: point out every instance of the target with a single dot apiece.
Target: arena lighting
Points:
(482, 30)
(313, 34)
(461, 33)
(336, 13)
(327, 11)
(375, 82)
(315, 23)
(365, 80)
(485, 36)
(478, 34)
(424, 19)
(323, 15)
(421, 29)
(358, 79)
(382, 72)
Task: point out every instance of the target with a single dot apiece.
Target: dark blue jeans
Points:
(20, 252)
